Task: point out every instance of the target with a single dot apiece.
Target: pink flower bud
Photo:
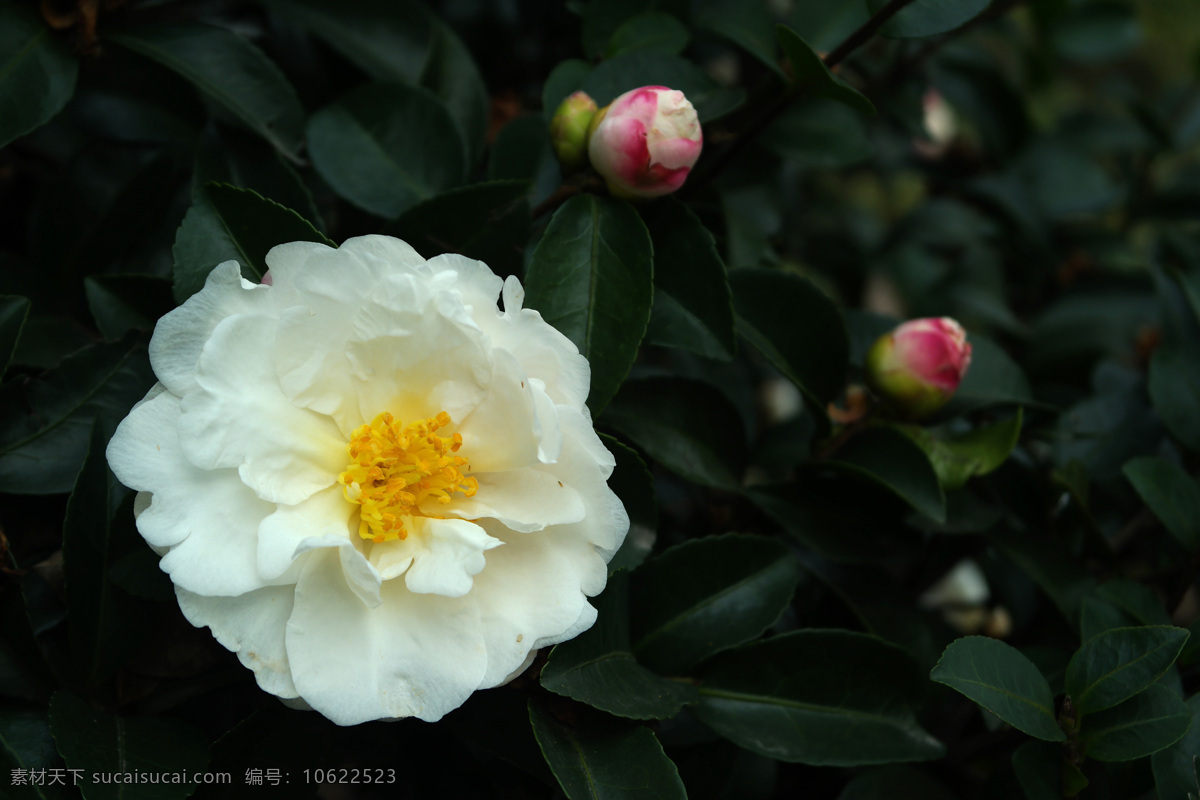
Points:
(569, 129)
(645, 142)
(917, 367)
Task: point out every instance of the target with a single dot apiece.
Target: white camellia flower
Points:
(376, 488)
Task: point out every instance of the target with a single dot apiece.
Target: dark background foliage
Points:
(1029, 168)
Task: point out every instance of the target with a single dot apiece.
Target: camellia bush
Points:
(616, 399)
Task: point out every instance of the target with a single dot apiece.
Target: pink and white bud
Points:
(569, 129)
(645, 142)
(917, 367)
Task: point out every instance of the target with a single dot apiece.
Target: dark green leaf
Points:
(598, 667)
(121, 303)
(1119, 663)
(228, 69)
(819, 697)
(692, 305)
(1175, 766)
(485, 221)
(388, 39)
(1097, 616)
(386, 147)
(687, 426)
(602, 19)
(707, 595)
(24, 673)
(957, 459)
(1175, 390)
(810, 74)
(226, 155)
(227, 223)
(632, 482)
(639, 68)
(783, 316)
(41, 453)
(893, 461)
(650, 31)
(1097, 31)
(13, 313)
(517, 150)
(606, 763)
(37, 73)
(992, 379)
(822, 515)
(1144, 724)
(1002, 680)
(451, 74)
(26, 744)
(1038, 766)
(820, 133)
(96, 742)
(106, 624)
(591, 277)
(1135, 599)
(747, 25)
(895, 782)
(928, 17)
(1052, 566)
(826, 25)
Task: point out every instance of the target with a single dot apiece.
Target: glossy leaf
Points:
(227, 223)
(1117, 664)
(783, 315)
(928, 17)
(632, 482)
(388, 39)
(1175, 765)
(591, 277)
(106, 624)
(810, 73)
(37, 73)
(747, 25)
(452, 75)
(957, 459)
(708, 595)
(894, 462)
(685, 425)
(484, 221)
(26, 744)
(97, 742)
(820, 133)
(993, 379)
(228, 69)
(1143, 724)
(606, 763)
(13, 313)
(1097, 616)
(121, 303)
(692, 303)
(650, 31)
(386, 147)
(818, 697)
(598, 667)
(1135, 599)
(1001, 679)
(41, 453)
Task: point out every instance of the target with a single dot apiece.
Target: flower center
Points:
(396, 468)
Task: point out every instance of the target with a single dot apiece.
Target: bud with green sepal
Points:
(916, 368)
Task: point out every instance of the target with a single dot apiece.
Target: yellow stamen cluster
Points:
(394, 469)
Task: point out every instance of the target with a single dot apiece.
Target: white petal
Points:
(502, 432)
(450, 555)
(208, 518)
(414, 655)
(326, 514)
(251, 625)
(550, 438)
(529, 596)
(522, 499)
(358, 574)
(179, 335)
(239, 417)
(475, 282)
